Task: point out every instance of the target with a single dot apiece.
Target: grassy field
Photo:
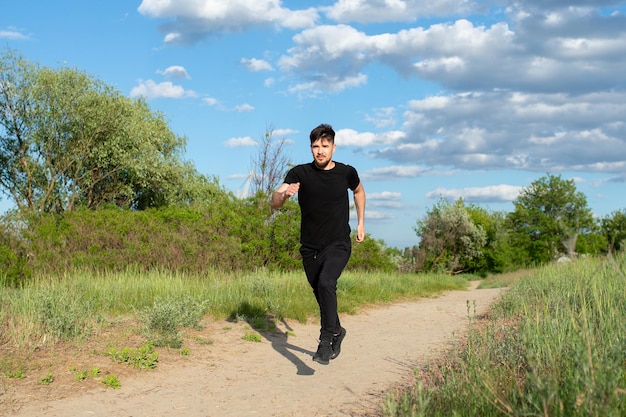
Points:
(77, 306)
(554, 345)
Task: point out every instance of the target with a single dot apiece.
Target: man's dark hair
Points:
(323, 131)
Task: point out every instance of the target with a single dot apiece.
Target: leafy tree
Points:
(68, 140)
(548, 216)
(614, 230)
(592, 242)
(497, 254)
(449, 238)
(370, 255)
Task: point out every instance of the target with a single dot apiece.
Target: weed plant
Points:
(46, 379)
(144, 357)
(111, 381)
(553, 346)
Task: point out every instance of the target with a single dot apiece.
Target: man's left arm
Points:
(359, 203)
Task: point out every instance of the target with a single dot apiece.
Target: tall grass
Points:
(554, 346)
(74, 306)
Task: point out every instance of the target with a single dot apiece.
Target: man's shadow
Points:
(264, 325)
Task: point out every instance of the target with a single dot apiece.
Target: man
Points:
(322, 188)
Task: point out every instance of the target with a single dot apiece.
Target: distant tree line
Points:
(550, 221)
(99, 182)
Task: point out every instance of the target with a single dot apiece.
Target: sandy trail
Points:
(277, 377)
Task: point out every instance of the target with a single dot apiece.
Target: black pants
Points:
(323, 268)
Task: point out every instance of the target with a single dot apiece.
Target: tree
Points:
(548, 216)
(371, 255)
(497, 254)
(68, 140)
(614, 230)
(449, 238)
(270, 165)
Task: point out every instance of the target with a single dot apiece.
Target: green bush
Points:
(14, 269)
(225, 233)
(370, 255)
(166, 317)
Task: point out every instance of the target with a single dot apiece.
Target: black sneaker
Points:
(336, 343)
(323, 354)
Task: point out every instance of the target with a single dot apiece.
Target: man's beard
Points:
(322, 164)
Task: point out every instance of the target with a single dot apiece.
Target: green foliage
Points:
(252, 337)
(144, 357)
(370, 255)
(166, 317)
(63, 315)
(592, 242)
(111, 381)
(15, 372)
(614, 230)
(548, 217)
(449, 239)
(14, 267)
(497, 254)
(86, 373)
(46, 379)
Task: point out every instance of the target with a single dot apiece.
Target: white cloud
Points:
(175, 71)
(394, 172)
(385, 199)
(240, 142)
(192, 20)
(284, 132)
(244, 107)
(150, 90)
(13, 34)
(350, 137)
(373, 215)
(385, 195)
(365, 11)
(494, 193)
(514, 130)
(462, 55)
(256, 65)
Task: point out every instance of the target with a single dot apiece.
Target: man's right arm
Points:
(279, 196)
(283, 193)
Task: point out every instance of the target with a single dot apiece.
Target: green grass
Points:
(76, 306)
(553, 346)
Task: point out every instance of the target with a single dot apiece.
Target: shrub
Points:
(165, 317)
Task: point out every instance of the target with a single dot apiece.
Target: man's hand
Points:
(360, 233)
(292, 189)
(283, 193)
(359, 203)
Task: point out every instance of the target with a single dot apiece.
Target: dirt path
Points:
(233, 377)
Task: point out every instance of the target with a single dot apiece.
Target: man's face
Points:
(322, 151)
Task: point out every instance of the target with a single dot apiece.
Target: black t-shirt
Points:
(323, 199)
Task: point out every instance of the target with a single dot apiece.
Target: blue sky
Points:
(429, 98)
